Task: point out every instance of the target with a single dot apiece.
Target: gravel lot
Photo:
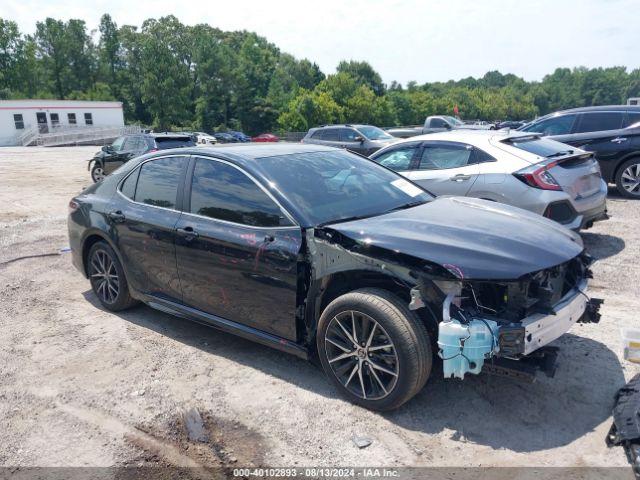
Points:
(80, 386)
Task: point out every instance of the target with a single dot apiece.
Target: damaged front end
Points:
(504, 327)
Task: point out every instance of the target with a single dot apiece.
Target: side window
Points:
(158, 182)
(128, 187)
(71, 117)
(117, 144)
(55, 119)
(317, 135)
(88, 119)
(348, 135)
(130, 144)
(438, 123)
(554, 126)
(398, 159)
(223, 192)
(440, 157)
(331, 135)
(598, 121)
(632, 118)
(480, 156)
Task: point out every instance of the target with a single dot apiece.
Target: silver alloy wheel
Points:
(104, 276)
(361, 355)
(630, 179)
(98, 174)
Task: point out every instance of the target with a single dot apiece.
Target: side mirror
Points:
(107, 149)
(359, 138)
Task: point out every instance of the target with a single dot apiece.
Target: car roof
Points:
(166, 135)
(601, 108)
(472, 137)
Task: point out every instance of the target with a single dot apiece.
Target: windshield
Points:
(374, 133)
(454, 120)
(337, 185)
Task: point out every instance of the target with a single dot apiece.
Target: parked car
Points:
(124, 148)
(265, 137)
(513, 124)
(223, 137)
(203, 138)
(325, 254)
(611, 132)
(242, 137)
(552, 179)
(363, 139)
(438, 123)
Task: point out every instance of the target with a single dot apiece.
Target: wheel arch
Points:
(91, 238)
(628, 157)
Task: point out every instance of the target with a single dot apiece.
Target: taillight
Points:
(539, 177)
(73, 206)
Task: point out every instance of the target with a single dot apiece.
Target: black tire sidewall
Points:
(405, 386)
(123, 300)
(626, 164)
(93, 172)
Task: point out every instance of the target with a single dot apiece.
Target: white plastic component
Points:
(464, 347)
(631, 342)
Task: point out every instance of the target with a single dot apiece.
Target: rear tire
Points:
(107, 278)
(628, 178)
(399, 362)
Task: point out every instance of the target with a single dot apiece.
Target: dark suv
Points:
(362, 139)
(611, 132)
(130, 146)
(327, 255)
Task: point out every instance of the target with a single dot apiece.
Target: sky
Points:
(421, 40)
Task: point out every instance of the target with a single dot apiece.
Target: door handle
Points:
(188, 233)
(117, 216)
(619, 140)
(460, 177)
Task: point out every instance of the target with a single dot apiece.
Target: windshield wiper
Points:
(560, 154)
(404, 206)
(347, 219)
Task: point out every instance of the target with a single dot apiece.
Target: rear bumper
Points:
(586, 218)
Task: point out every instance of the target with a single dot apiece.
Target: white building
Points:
(633, 101)
(19, 116)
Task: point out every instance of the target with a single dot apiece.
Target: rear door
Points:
(331, 137)
(237, 250)
(445, 168)
(144, 213)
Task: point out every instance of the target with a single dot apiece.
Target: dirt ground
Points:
(80, 386)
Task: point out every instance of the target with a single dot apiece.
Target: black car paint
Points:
(270, 284)
(609, 149)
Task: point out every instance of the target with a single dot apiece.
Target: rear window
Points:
(174, 142)
(543, 147)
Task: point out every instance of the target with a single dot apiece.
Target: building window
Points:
(55, 119)
(72, 118)
(17, 119)
(88, 119)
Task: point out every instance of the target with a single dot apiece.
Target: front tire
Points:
(97, 173)
(107, 278)
(374, 349)
(628, 178)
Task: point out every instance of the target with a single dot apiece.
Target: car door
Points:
(144, 213)
(331, 137)
(445, 168)
(237, 250)
(352, 140)
(123, 149)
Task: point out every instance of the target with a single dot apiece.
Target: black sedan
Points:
(327, 255)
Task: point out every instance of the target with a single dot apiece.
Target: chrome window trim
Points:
(283, 210)
(138, 167)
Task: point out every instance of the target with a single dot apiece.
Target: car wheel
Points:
(628, 178)
(374, 349)
(97, 173)
(107, 278)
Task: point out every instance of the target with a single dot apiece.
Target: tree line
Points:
(172, 75)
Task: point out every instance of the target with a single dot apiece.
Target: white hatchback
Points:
(559, 181)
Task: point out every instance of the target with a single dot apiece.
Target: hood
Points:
(474, 238)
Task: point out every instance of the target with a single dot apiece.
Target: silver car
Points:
(559, 181)
(362, 139)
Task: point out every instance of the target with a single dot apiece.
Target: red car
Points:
(265, 137)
